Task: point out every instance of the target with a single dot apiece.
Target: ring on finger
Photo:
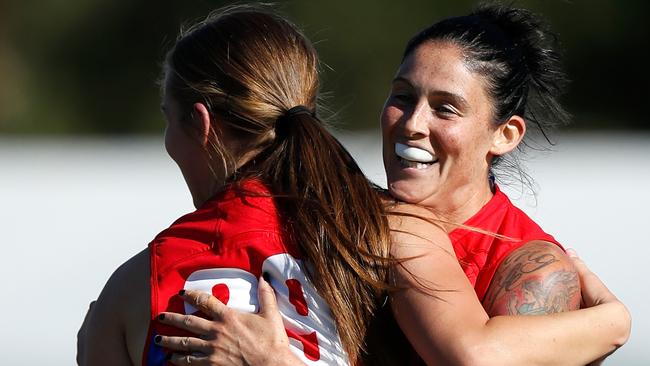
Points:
(186, 343)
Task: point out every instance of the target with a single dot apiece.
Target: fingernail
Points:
(161, 316)
(157, 339)
(181, 293)
(571, 252)
(266, 277)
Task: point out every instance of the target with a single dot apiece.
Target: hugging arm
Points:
(442, 317)
(439, 313)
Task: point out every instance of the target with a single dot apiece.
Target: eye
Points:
(402, 98)
(446, 110)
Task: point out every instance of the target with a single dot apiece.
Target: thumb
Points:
(572, 253)
(267, 300)
(586, 275)
(594, 291)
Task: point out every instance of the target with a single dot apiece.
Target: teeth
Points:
(413, 164)
(413, 154)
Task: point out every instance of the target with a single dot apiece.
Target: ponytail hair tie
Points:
(299, 109)
(283, 123)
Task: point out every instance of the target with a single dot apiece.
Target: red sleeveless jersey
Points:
(481, 254)
(223, 248)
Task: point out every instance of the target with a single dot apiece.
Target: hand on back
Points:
(229, 337)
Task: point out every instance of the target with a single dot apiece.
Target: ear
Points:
(201, 121)
(508, 135)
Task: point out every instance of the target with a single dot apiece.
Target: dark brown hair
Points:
(517, 55)
(249, 66)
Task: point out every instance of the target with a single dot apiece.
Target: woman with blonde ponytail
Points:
(280, 205)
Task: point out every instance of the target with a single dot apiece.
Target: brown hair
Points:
(250, 66)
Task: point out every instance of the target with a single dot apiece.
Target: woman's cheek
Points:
(390, 117)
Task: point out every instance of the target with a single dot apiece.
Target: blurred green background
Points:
(90, 66)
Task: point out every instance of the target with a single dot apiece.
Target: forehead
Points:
(440, 66)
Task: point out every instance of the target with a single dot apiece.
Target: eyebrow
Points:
(455, 98)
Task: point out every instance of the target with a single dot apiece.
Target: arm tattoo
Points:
(552, 294)
(520, 288)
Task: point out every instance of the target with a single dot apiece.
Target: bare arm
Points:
(536, 279)
(449, 326)
(113, 332)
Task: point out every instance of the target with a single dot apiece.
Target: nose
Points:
(416, 124)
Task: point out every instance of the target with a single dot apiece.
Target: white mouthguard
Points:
(413, 153)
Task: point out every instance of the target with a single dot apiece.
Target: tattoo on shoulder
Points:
(552, 294)
(519, 288)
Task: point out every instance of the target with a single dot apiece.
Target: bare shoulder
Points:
(107, 335)
(536, 279)
(128, 284)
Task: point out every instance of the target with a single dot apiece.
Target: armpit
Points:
(536, 279)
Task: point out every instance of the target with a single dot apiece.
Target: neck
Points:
(214, 181)
(203, 193)
(463, 203)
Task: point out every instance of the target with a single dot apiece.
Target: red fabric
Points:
(225, 232)
(222, 248)
(481, 254)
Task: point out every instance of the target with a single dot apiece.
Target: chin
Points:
(407, 193)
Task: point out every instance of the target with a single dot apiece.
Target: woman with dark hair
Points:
(465, 93)
(277, 196)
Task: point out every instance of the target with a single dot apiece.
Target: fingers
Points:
(183, 344)
(581, 267)
(594, 291)
(206, 303)
(191, 323)
(267, 300)
(182, 360)
(578, 264)
(572, 253)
